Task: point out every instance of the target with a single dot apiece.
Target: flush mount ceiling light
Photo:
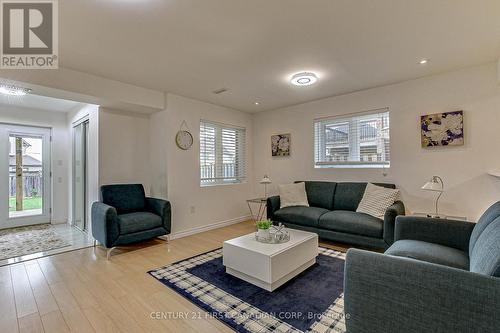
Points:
(304, 79)
(13, 90)
(423, 61)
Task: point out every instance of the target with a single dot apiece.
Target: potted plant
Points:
(263, 228)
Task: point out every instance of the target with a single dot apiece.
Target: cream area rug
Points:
(22, 241)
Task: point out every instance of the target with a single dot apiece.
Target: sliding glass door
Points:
(24, 175)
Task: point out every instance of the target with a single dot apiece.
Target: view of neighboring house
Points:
(363, 139)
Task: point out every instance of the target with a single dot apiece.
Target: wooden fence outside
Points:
(32, 184)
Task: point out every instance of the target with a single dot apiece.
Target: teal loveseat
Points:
(438, 276)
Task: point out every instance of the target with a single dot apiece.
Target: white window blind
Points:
(357, 140)
(222, 154)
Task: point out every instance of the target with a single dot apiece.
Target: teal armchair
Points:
(125, 215)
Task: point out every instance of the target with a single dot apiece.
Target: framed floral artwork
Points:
(442, 129)
(280, 145)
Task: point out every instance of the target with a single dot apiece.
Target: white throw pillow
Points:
(376, 200)
(293, 195)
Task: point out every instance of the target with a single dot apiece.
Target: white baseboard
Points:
(208, 227)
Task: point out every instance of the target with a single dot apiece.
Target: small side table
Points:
(441, 216)
(262, 205)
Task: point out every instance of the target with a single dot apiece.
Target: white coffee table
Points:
(269, 266)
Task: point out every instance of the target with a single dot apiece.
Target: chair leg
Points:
(108, 252)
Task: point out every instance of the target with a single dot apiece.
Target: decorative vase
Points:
(263, 233)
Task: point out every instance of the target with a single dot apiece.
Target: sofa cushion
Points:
(125, 198)
(348, 195)
(429, 252)
(293, 195)
(139, 221)
(352, 222)
(320, 194)
(488, 217)
(485, 256)
(306, 216)
(376, 200)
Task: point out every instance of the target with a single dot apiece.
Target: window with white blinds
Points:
(357, 140)
(222, 154)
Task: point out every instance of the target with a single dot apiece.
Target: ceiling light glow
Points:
(423, 61)
(13, 90)
(304, 79)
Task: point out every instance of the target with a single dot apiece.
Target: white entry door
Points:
(25, 197)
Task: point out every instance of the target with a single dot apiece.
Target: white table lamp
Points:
(436, 184)
(265, 181)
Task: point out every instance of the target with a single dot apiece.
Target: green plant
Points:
(264, 224)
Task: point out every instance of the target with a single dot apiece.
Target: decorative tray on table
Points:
(276, 235)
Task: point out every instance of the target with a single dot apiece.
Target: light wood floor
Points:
(80, 291)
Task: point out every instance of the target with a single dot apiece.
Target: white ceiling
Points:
(31, 101)
(193, 47)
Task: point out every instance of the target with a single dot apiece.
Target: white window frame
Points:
(353, 141)
(240, 171)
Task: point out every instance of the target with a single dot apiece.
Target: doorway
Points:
(80, 173)
(24, 176)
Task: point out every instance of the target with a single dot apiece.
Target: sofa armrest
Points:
(398, 208)
(105, 228)
(161, 208)
(450, 233)
(385, 293)
(273, 204)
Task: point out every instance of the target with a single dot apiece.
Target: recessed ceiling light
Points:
(257, 103)
(423, 61)
(304, 79)
(13, 90)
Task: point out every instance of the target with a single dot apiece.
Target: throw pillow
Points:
(376, 200)
(293, 195)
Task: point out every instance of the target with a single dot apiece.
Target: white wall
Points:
(212, 205)
(469, 190)
(92, 112)
(60, 150)
(124, 148)
(158, 139)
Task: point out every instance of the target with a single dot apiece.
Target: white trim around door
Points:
(42, 210)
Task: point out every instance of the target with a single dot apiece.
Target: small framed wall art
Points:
(280, 145)
(442, 129)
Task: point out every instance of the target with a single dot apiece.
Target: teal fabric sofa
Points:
(332, 214)
(125, 215)
(438, 276)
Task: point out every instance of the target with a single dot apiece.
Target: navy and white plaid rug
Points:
(311, 302)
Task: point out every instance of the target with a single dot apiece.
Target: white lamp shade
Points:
(266, 180)
(430, 186)
(435, 184)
